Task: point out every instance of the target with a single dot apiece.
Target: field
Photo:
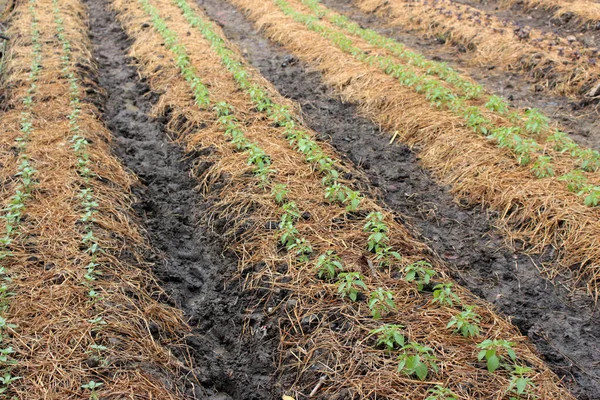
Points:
(293, 199)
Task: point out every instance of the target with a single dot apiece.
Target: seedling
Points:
(280, 192)
(492, 351)
(349, 283)
(466, 322)
(329, 265)
(416, 359)
(352, 200)
(542, 167)
(381, 302)
(441, 393)
(575, 179)
(443, 294)
(390, 336)
(302, 248)
(419, 272)
(536, 121)
(93, 386)
(496, 104)
(521, 386)
(592, 195)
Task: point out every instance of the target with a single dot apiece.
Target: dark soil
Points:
(194, 268)
(579, 118)
(565, 329)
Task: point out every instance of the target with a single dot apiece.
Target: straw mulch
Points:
(324, 339)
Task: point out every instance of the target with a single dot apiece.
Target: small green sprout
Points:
(348, 284)
(390, 336)
(416, 359)
(419, 272)
(466, 322)
(441, 393)
(521, 385)
(443, 294)
(93, 386)
(492, 351)
(381, 302)
(329, 265)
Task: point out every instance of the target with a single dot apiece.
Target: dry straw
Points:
(324, 339)
(540, 212)
(54, 341)
(563, 67)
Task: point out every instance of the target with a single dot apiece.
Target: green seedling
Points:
(390, 336)
(93, 386)
(521, 386)
(441, 393)
(443, 294)
(416, 359)
(542, 167)
(381, 302)
(493, 351)
(576, 180)
(419, 272)
(349, 283)
(280, 192)
(329, 265)
(466, 322)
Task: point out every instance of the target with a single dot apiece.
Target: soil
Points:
(578, 117)
(194, 267)
(564, 328)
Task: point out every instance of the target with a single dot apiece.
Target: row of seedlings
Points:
(88, 203)
(319, 242)
(477, 170)
(15, 209)
(527, 138)
(82, 331)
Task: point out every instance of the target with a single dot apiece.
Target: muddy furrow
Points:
(193, 266)
(563, 328)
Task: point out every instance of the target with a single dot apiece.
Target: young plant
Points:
(378, 238)
(381, 302)
(466, 322)
(302, 248)
(419, 272)
(443, 294)
(493, 351)
(352, 200)
(349, 283)
(280, 192)
(542, 167)
(441, 393)
(575, 179)
(416, 359)
(390, 336)
(521, 386)
(92, 386)
(536, 121)
(592, 195)
(329, 265)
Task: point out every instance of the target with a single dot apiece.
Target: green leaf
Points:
(493, 363)
(421, 371)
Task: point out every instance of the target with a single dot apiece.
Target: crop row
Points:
(537, 211)
(15, 208)
(76, 301)
(319, 238)
(517, 134)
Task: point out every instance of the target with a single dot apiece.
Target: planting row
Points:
(560, 65)
(346, 278)
(76, 302)
(535, 206)
(494, 118)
